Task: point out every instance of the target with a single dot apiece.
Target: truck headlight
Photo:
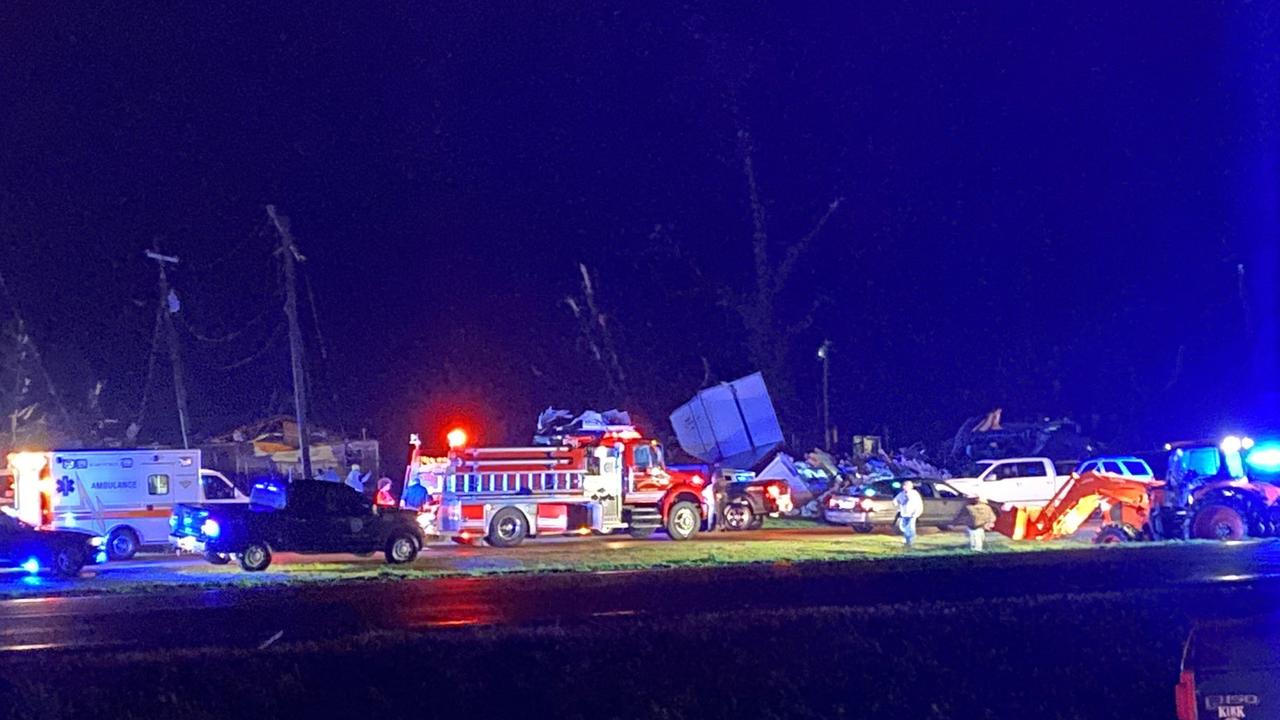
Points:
(209, 528)
(97, 541)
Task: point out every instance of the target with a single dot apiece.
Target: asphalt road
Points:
(249, 617)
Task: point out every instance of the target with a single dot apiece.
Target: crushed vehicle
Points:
(870, 507)
(61, 552)
(305, 516)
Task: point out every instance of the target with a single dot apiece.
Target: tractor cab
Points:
(1193, 464)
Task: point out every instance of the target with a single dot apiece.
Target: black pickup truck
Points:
(305, 516)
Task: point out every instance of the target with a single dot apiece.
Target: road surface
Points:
(248, 617)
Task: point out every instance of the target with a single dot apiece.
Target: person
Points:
(415, 496)
(385, 498)
(976, 517)
(721, 493)
(355, 480)
(910, 506)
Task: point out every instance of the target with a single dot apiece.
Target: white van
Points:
(124, 495)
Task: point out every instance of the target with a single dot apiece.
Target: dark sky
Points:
(1045, 207)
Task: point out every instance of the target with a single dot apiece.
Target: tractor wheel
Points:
(1111, 534)
(1217, 521)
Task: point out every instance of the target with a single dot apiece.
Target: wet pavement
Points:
(247, 617)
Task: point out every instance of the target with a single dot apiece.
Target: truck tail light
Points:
(865, 505)
(774, 490)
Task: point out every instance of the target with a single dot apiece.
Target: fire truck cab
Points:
(592, 478)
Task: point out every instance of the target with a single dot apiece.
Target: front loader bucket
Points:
(1013, 521)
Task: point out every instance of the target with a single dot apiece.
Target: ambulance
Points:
(123, 495)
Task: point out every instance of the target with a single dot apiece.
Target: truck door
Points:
(999, 483)
(1034, 482)
(603, 484)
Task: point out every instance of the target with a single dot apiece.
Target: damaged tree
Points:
(595, 332)
(768, 336)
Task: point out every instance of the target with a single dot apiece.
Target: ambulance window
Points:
(643, 458)
(216, 489)
(158, 484)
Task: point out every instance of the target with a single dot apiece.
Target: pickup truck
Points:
(748, 499)
(1017, 481)
(305, 516)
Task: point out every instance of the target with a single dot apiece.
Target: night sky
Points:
(1045, 208)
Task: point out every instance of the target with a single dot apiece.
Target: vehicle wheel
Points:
(863, 529)
(682, 520)
(256, 557)
(1217, 521)
(217, 558)
(738, 516)
(643, 532)
(1112, 534)
(757, 522)
(402, 548)
(508, 528)
(122, 544)
(67, 561)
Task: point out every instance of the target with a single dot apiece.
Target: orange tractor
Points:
(1206, 495)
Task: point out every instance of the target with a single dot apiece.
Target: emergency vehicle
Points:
(594, 476)
(124, 495)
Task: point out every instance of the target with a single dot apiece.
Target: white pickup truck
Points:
(1020, 481)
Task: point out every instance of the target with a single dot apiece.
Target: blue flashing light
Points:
(210, 528)
(869, 492)
(31, 566)
(1265, 458)
(101, 557)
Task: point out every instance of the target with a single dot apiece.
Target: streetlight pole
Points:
(824, 354)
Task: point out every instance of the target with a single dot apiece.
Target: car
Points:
(61, 552)
(305, 516)
(1124, 465)
(1229, 667)
(869, 507)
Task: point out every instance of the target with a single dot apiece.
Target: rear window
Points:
(1137, 468)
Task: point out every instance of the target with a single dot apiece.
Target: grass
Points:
(1057, 657)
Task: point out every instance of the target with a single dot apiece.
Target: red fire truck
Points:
(593, 477)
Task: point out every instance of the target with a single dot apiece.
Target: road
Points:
(248, 617)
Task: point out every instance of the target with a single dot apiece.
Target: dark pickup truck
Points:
(305, 516)
(62, 552)
(747, 500)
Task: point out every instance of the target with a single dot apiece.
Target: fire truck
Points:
(595, 474)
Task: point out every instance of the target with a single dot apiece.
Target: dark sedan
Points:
(62, 552)
(869, 507)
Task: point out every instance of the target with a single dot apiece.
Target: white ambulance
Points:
(124, 495)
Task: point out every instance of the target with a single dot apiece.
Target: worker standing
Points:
(415, 496)
(910, 506)
(976, 517)
(384, 497)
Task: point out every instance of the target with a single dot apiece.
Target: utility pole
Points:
(824, 354)
(169, 306)
(289, 256)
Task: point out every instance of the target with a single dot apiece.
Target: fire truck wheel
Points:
(738, 516)
(256, 557)
(67, 561)
(1217, 521)
(122, 544)
(644, 532)
(508, 528)
(683, 520)
(217, 558)
(401, 549)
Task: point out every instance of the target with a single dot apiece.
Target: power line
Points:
(229, 336)
(266, 346)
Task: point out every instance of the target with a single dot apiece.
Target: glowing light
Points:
(1231, 444)
(583, 531)
(100, 557)
(31, 566)
(1265, 458)
(1246, 443)
(457, 438)
(27, 462)
(97, 541)
(210, 528)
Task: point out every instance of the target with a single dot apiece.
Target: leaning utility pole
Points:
(824, 354)
(169, 306)
(289, 255)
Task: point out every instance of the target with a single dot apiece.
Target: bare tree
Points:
(595, 331)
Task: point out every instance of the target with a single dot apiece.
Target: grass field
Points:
(1055, 657)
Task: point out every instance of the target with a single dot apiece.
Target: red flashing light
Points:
(628, 435)
(774, 490)
(457, 438)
